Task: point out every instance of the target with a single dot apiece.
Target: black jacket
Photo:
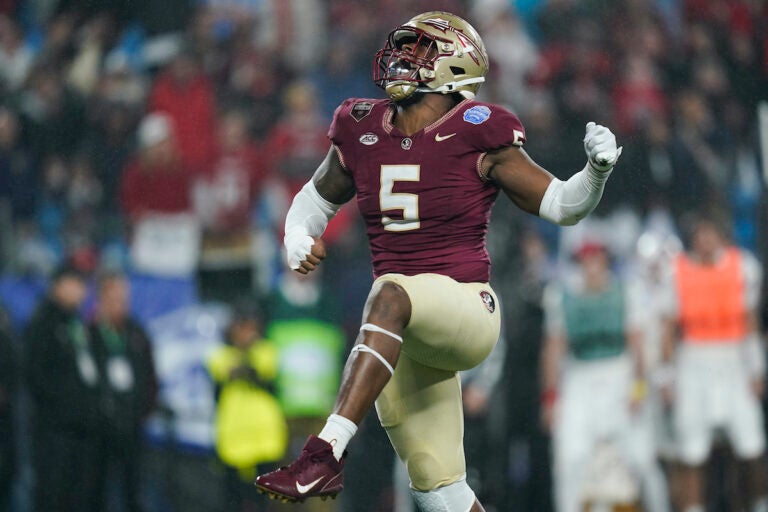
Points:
(8, 381)
(60, 371)
(126, 398)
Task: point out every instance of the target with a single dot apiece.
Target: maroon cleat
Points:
(316, 473)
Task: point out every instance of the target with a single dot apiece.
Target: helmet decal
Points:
(438, 23)
(468, 46)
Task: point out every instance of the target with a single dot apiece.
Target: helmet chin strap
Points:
(446, 88)
(399, 90)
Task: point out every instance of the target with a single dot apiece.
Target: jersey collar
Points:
(390, 113)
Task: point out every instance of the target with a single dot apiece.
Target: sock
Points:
(338, 431)
(760, 504)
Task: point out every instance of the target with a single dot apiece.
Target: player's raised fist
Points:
(600, 146)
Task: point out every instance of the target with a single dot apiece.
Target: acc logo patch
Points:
(477, 114)
(487, 299)
(360, 110)
(369, 138)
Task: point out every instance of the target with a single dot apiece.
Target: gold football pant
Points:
(453, 327)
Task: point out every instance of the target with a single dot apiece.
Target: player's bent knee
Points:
(694, 454)
(388, 302)
(431, 469)
(455, 497)
(390, 290)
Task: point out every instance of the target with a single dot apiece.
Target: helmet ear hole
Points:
(457, 70)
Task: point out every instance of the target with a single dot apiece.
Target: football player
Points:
(425, 165)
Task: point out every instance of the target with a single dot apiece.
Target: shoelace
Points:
(299, 465)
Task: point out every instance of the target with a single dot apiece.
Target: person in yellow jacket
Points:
(251, 430)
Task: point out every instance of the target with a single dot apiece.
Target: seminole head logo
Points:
(488, 301)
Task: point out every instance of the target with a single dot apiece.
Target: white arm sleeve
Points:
(307, 217)
(567, 202)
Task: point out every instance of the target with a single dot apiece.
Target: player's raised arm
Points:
(312, 208)
(536, 191)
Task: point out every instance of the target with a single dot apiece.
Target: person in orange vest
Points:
(714, 361)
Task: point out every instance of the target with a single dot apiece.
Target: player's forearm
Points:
(567, 202)
(754, 348)
(552, 355)
(635, 345)
(307, 217)
(668, 340)
(664, 374)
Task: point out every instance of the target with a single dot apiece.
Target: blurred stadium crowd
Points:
(165, 139)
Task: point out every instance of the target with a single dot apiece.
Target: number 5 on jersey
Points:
(407, 203)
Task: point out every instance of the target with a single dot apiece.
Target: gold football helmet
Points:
(432, 52)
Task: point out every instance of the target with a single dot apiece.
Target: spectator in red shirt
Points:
(156, 181)
(227, 189)
(638, 95)
(185, 94)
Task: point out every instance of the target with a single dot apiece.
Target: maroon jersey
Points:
(424, 201)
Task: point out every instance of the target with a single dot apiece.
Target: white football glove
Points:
(600, 145)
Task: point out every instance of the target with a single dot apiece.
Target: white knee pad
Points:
(456, 497)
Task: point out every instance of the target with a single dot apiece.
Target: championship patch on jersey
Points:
(487, 299)
(369, 138)
(477, 114)
(360, 110)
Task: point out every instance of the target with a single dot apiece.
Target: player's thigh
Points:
(693, 428)
(453, 326)
(638, 440)
(745, 422)
(420, 408)
(573, 436)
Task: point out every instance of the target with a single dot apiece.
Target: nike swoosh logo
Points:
(438, 138)
(304, 489)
